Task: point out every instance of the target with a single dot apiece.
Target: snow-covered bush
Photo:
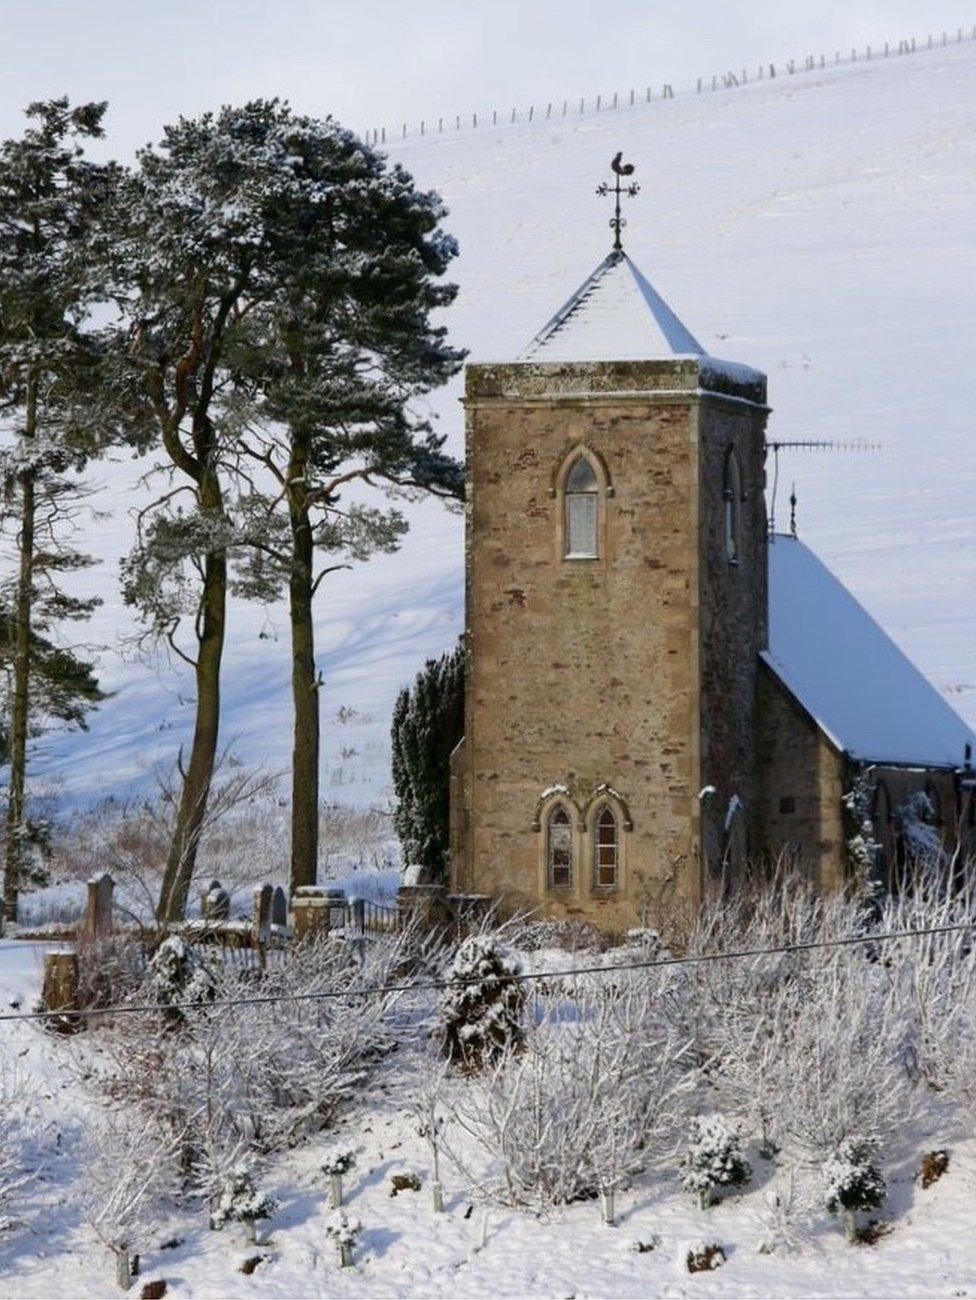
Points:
(591, 1097)
(265, 1075)
(482, 1008)
(713, 1159)
(344, 1232)
(128, 1169)
(336, 1163)
(14, 1108)
(852, 1183)
(703, 1256)
(178, 974)
(241, 1201)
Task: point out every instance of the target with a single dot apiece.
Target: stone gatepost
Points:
(98, 908)
(316, 911)
(424, 905)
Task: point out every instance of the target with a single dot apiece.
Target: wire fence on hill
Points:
(730, 79)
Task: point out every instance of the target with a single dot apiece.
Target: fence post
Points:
(440, 125)
(421, 126)
(667, 91)
(647, 98)
(549, 109)
(698, 87)
(60, 988)
(531, 111)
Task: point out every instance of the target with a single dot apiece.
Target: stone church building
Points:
(659, 691)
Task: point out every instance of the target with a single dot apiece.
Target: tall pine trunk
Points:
(198, 774)
(20, 703)
(305, 698)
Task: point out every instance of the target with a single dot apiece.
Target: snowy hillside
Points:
(820, 228)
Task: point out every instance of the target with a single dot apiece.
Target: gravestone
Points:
(215, 904)
(98, 908)
(261, 924)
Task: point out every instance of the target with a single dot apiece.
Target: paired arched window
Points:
(582, 511)
(732, 492)
(606, 850)
(559, 848)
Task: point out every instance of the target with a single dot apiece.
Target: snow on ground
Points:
(406, 1250)
(818, 227)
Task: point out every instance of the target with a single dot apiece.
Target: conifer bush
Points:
(482, 1009)
(241, 1201)
(852, 1182)
(713, 1159)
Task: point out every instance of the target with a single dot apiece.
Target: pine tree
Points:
(52, 201)
(714, 1158)
(274, 280)
(341, 355)
(428, 723)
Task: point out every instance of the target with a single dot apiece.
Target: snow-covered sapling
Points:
(338, 1161)
(714, 1158)
(344, 1232)
(430, 1122)
(240, 1201)
(852, 1183)
(481, 1010)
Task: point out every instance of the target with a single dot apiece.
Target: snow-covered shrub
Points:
(336, 1163)
(344, 1232)
(590, 1099)
(703, 1256)
(128, 1169)
(262, 1075)
(782, 1210)
(570, 936)
(482, 1008)
(713, 1159)
(863, 847)
(14, 1109)
(178, 974)
(241, 1201)
(852, 1183)
(339, 1159)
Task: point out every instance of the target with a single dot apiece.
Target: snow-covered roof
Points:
(863, 692)
(615, 315)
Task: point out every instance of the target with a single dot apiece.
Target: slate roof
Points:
(615, 315)
(864, 693)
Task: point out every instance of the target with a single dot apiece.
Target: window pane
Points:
(581, 512)
(605, 856)
(560, 849)
(581, 477)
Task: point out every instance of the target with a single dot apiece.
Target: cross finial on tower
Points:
(620, 169)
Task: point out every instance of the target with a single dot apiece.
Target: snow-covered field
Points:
(819, 227)
(474, 1248)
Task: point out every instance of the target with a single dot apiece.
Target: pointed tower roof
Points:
(615, 315)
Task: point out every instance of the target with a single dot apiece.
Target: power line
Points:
(432, 986)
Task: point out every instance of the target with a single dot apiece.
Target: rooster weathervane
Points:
(620, 170)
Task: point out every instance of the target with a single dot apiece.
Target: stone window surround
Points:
(557, 493)
(583, 821)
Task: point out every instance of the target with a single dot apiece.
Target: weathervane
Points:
(620, 169)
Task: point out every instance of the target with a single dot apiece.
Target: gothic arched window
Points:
(559, 848)
(606, 850)
(732, 492)
(582, 511)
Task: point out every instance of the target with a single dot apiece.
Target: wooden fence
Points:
(728, 80)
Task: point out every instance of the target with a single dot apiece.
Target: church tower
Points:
(615, 610)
